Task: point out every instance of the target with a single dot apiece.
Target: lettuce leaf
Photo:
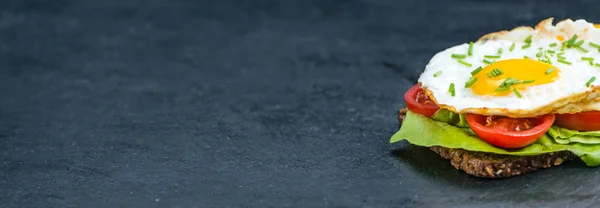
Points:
(423, 131)
(566, 136)
(451, 118)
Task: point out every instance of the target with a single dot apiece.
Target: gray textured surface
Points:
(231, 103)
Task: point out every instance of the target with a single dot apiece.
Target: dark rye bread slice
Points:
(488, 165)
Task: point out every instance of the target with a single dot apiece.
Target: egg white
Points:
(572, 78)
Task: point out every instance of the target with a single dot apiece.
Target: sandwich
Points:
(511, 102)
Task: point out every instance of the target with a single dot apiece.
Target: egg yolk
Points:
(597, 25)
(528, 72)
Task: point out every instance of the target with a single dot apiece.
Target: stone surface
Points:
(185, 103)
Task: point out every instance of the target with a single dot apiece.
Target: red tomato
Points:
(508, 132)
(584, 121)
(417, 101)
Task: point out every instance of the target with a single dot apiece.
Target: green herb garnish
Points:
(589, 82)
(528, 39)
(437, 74)
(451, 89)
(539, 54)
(470, 52)
(509, 82)
(549, 71)
(495, 73)
(474, 72)
(564, 61)
(595, 45)
(525, 46)
(500, 89)
(553, 44)
(470, 82)
(589, 59)
(492, 56)
(454, 55)
(571, 41)
(499, 51)
(486, 61)
(464, 63)
(517, 92)
(528, 81)
(512, 47)
(582, 49)
(547, 59)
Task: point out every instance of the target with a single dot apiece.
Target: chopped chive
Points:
(512, 47)
(528, 81)
(528, 39)
(470, 82)
(491, 56)
(470, 52)
(595, 45)
(451, 89)
(559, 56)
(495, 73)
(587, 58)
(589, 82)
(527, 57)
(550, 51)
(578, 43)
(562, 47)
(499, 50)
(499, 72)
(509, 82)
(474, 72)
(549, 71)
(571, 41)
(486, 61)
(582, 49)
(597, 65)
(553, 45)
(517, 93)
(548, 59)
(564, 61)
(464, 63)
(500, 89)
(525, 46)
(437, 74)
(539, 54)
(454, 55)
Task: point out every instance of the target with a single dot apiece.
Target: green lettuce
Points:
(441, 131)
(566, 136)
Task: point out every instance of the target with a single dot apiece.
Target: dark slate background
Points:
(260, 103)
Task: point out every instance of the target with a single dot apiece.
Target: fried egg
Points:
(525, 72)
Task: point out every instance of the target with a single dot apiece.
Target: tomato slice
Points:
(508, 132)
(417, 101)
(584, 121)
